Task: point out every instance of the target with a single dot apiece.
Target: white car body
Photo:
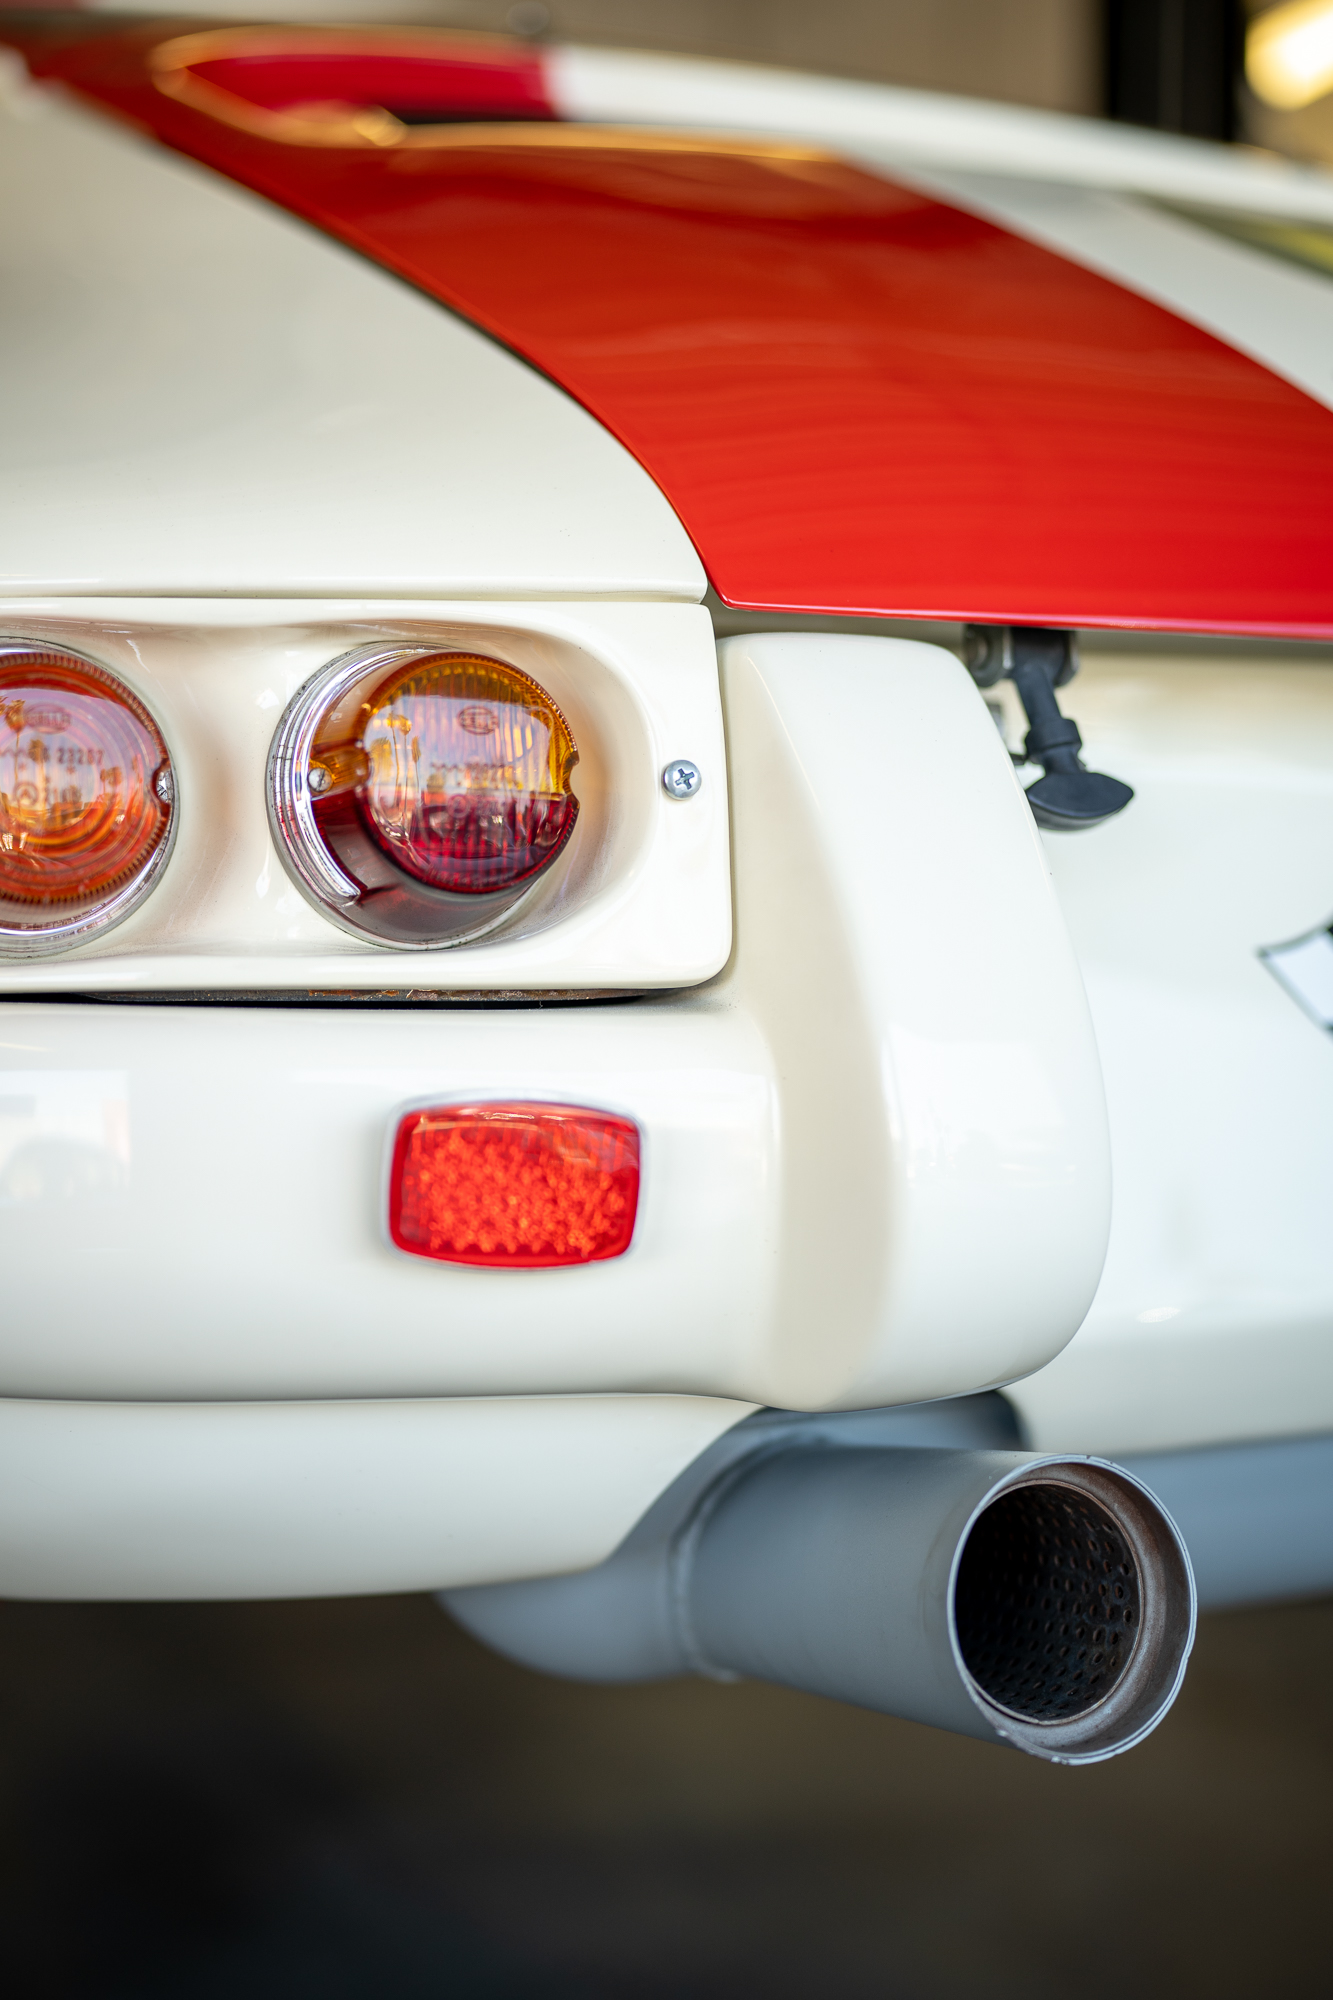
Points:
(933, 1104)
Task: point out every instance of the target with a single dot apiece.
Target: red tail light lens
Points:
(418, 797)
(514, 1186)
(85, 799)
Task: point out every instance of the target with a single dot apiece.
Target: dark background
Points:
(353, 1801)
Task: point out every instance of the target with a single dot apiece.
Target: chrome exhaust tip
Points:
(1071, 1610)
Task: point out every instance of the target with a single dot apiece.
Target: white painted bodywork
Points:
(944, 1143)
(1214, 1318)
(877, 1165)
(202, 396)
(126, 1500)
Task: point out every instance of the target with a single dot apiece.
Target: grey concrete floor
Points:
(346, 1800)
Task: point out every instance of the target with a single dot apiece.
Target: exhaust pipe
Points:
(1044, 1602)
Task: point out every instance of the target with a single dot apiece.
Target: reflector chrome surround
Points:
(296, 833)
(40, 940)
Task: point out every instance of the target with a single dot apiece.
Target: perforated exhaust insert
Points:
(1047, 1603)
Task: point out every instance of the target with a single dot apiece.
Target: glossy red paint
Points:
(413, 76)
(858, 399)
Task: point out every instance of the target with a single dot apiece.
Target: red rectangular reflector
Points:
(514, 1186)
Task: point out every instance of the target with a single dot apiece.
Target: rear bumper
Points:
(161, 1500)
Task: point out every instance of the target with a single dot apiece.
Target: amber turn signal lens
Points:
(514, 1186)
(85, 799)
(458, 770)
(418, 796)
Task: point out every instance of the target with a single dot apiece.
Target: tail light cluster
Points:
(417, 796)
(86, 800)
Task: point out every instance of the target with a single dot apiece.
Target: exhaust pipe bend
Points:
(1044, 1602)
